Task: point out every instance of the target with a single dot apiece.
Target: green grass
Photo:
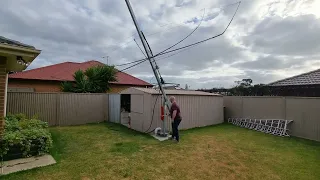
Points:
(109, 151)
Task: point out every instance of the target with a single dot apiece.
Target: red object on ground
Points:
(162, 113)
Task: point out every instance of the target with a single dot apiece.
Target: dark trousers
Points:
(175, 131)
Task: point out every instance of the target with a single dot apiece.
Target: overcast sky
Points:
(267, 41)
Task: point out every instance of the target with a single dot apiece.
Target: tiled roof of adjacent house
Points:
(11, 42)
(64, 72)
(309, 78)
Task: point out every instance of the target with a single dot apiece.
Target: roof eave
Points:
(12, 53)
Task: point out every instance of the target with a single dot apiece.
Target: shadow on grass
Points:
(125, 130)
(206, 128)
(125, 148)
(58, 144)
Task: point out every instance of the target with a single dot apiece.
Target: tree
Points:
(243, 88)
(93, 80)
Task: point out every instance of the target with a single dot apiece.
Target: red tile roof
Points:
(64, 72)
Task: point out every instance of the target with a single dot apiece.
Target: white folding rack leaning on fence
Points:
(278, 127)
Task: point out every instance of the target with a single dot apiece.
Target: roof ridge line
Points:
(294, 76)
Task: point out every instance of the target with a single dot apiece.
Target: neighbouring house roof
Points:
(309, 78)
(65, 71)
(169, 92)
(11, 42)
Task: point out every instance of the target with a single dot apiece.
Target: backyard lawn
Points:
(108, 151)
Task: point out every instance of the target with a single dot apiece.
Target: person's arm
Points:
(174, 113)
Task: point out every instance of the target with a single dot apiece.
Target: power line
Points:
(187, 46)
(133, 65)
(202, 41)
(125, 42)
(173, 54)
(184, 47)
(143, 60)
(186, 36)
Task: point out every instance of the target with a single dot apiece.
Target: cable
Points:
(132, 62)
(202, 41)
(140, 48)
(133, 65)
(186, 36)
(125, 42)
(173, 54)
(154, 106)
(143, 60)
(187, 46)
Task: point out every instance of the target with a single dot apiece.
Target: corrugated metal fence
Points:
(60, 109)
(305, 112)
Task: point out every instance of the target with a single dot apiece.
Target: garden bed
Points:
(15, 151)
(24, 137)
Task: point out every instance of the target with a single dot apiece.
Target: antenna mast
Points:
(150, 57)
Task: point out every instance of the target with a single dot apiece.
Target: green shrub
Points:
(27, 134)
(32, 123)
(19, 116)
(11, 123)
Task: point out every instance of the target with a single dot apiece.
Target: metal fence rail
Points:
(60, 109)
(303, 110)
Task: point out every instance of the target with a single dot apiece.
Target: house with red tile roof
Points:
(49, 78)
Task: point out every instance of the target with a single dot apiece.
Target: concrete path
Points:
(26, 163)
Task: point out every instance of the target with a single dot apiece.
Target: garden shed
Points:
(141, 108)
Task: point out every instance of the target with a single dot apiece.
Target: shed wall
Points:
(196, 111)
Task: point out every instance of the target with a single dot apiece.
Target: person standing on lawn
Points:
(175, 118)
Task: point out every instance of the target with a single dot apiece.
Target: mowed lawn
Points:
(109, 151)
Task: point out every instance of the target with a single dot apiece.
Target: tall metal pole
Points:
(149, 55)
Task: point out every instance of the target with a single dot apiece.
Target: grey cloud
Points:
(80, 30)
(258, 77)
(298, 35)
(269, 63)
(181, 3)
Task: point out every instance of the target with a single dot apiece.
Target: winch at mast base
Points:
(160, 135)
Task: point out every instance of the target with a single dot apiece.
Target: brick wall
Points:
(3, 80)
(37, 85)
(52, 86)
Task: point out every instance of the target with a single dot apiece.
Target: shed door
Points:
(114, 108)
